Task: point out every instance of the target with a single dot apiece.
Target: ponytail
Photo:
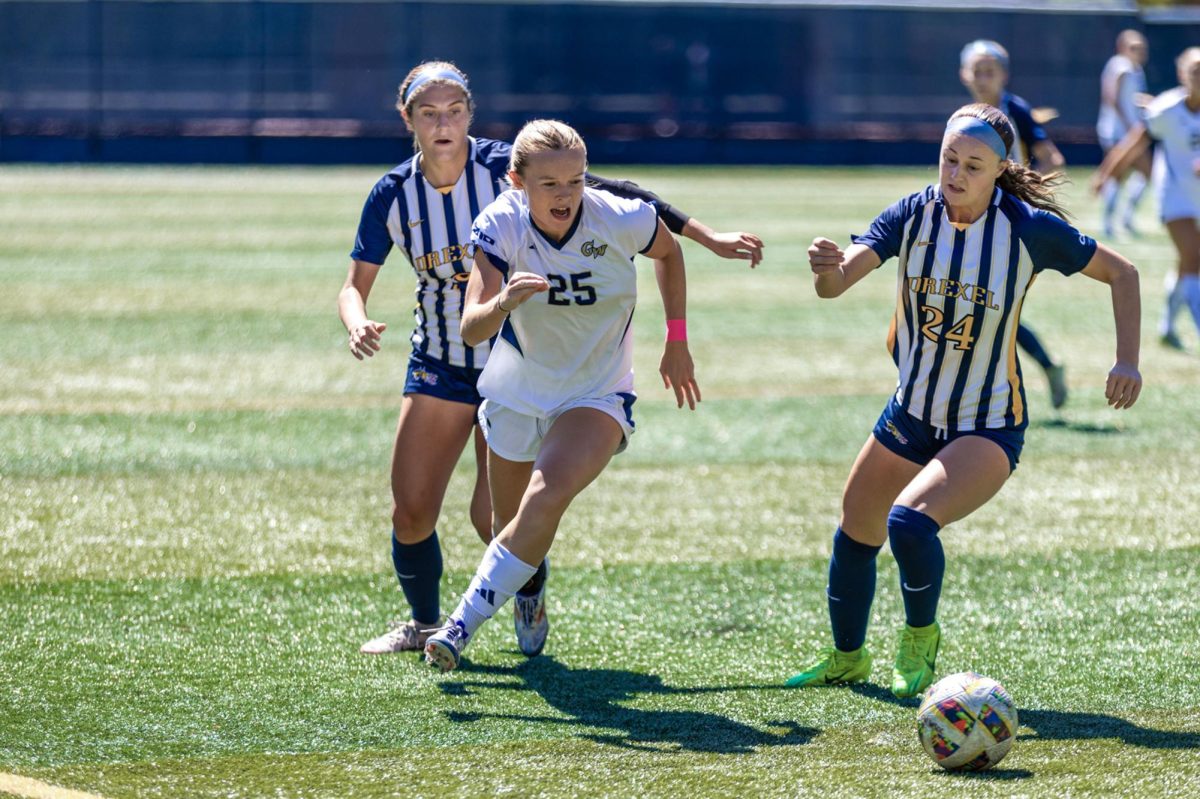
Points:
(1033, 187)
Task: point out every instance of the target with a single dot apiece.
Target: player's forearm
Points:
(352, 308)
(481, 320)
(672, 283)
(1127, 314)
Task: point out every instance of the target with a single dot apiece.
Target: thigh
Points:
(964, 475)
(1186, 236)
(876, 479)
(577, 447)
(430, 438)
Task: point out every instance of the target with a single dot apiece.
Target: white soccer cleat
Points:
(409, 636)
(529, 619)
(444, 648)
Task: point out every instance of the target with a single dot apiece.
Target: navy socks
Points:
(419, 570)
(851, 590)
(918, 552)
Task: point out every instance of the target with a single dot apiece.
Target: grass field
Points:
(194, 500)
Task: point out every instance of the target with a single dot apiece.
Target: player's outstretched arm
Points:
(352, 309)
(676, 367)
(1124, 381)
(834, 271)
(1121, 157)
(489, 299)
(737, 246)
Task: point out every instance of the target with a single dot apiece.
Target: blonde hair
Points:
(1017, 179)
(431, 66)
(1187, 57)
(541, 135)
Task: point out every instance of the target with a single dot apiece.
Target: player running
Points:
(1122, 89)
(968, 249)
(1173, 120)
(555, 278)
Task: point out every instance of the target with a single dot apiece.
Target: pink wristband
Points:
(676, 330)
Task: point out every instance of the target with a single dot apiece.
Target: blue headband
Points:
(984, 47)
(432, 75)
(976, 128)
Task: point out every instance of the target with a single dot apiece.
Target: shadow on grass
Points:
(590, 697)
(1060, 725)
(1060, 423)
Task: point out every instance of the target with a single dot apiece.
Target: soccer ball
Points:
(967, 722)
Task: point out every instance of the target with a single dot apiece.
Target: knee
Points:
(545, 498)
(908, 527)
(412, 524)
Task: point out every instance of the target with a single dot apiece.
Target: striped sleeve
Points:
(374, 242)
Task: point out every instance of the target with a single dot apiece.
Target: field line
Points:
(34, 789)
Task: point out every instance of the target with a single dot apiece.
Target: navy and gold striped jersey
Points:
(959, 294)
(432, 228)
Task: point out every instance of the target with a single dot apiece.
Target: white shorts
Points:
(1176, 203)
(518, 437)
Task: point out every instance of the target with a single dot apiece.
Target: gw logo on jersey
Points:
(955, 290)
(479, 234)
(590, 249)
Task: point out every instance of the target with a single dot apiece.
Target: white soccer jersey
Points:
(1110, 126)
(431, 227)
(573, 341)
(959, 296)
(1176, 159)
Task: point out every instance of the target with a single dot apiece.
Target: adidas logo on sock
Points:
(488, 595)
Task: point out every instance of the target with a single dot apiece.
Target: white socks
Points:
(499, 576)
(1174, 301)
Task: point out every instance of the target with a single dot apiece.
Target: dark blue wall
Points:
(279, 82)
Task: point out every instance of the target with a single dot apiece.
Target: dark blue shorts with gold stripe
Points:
(439, 379)
(918, 441)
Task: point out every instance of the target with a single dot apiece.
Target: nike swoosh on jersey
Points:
(415, 222)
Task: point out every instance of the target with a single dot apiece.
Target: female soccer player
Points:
(554, 277)
(425, 208)
(1173, 120)
(1122, 87)
(969, 249)
(983, 70)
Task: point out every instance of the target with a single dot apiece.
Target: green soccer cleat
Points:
(915, 660)
(835, 668)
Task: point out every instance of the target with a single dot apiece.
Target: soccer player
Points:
(425, 208)
(1173, 120)
(969, 248)
(1122, 86)
(555, 277)
(983, 70)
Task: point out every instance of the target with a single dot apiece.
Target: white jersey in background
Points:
(1177, 130)
(573, 341)
(1111, 125)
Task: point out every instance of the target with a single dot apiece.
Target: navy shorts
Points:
(917, 441)
(439, 379)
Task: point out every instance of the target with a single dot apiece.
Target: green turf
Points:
(193, 500)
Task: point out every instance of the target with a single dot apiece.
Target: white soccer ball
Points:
(967, 721)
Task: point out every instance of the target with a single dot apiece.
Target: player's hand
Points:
(737, 246)
(364, 339)
(824, 256)
(679, 373)
(1123, 386)
(520, 287)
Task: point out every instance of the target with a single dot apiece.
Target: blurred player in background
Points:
(969, 248)
(425, 208)
(1122, 93)
(1173, 121)
(983, 69)
(555, 282)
